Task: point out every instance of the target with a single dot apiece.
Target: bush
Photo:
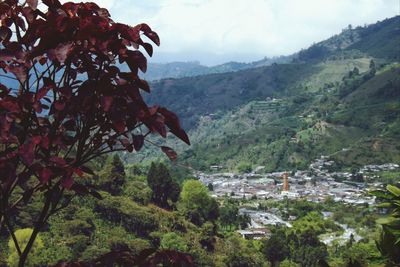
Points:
(173, 241)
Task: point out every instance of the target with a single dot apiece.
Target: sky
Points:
(217, 31)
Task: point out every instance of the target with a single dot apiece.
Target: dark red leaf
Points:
(41, 93)
(21, 23)
(28, 14)
(67, 182)
(143, 85)
(59, 105)
(58, 161)
(45, 142)
(5, 33)
(181, 134)
(52, 3)
(36, 139)
(106, 102)
(125, 142)
(45, 174)
(42, 60)
(32, 3)
(153, 36)
(102, 12)
(6, 55)
(9, 105)
(119, 126)
(149, 48)
(169, 152)
(61, 52)
(138, 141)
(26, 153)
(136, 60)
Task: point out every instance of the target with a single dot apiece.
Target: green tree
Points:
(372, 67)
(239, 252)
(23, 236)
(165, 190)
(196, 203)
(275, 248)
(228, 215)
(173, 241)
(244, 167)
(306, 248)
(138, 191)
(112, 177)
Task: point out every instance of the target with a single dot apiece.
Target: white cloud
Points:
(245, 29)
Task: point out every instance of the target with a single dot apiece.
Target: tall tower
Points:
(285, 186)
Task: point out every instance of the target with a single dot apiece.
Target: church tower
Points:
(285, 178)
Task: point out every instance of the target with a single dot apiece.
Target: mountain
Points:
(158, 71)
(379, 40)
(359, 128)
(339, 97)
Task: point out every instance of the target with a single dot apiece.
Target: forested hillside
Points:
(338, 97)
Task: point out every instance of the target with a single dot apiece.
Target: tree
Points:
(372, 68)
(239, 252)
(173, 241)
(210, 187)
(164, 188)
(68, 102)
(228, 214)
(244, 167)
(306, 248)
(196, 203)
(112, 177)
(275, 248)
(22, 236)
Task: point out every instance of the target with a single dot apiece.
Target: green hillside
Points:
(360, 127)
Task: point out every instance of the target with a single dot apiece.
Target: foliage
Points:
(165, 190)
(275, 248)
(235, 251)
(244, 167)
(133, 217)
(174, 242)
(228, 214)
(288, 263)
(23, 236)
(306, 248)
(112, 177)
(138, 191)
(70, 102)
(196, 203)
(389, 243)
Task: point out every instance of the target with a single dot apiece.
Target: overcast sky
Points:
(217, 31)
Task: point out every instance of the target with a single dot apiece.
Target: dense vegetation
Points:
(194, 223)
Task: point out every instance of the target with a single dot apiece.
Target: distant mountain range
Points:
(340, 97)
(157, 71)
(377, 40)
